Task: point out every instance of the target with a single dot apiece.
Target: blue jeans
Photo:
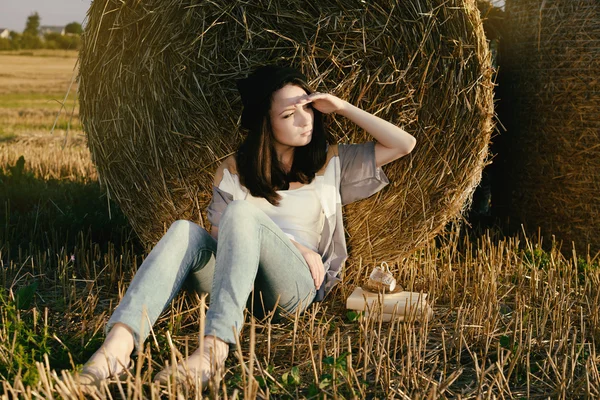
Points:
(252, 254)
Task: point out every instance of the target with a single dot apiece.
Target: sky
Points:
(14, 13)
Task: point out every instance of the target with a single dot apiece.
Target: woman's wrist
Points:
(302, 249)
(346, 106)
(352, 112)
(298, 246)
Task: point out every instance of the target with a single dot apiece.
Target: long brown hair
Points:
(257, 164)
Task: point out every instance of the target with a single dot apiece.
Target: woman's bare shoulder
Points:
(228, 164)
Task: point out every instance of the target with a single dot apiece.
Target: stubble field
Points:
(513, 318)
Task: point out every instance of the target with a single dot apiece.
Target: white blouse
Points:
(351, 174)
(299, 213)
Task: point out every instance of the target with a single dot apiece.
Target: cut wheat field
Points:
(513, 317)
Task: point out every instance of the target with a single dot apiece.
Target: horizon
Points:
(14, 13)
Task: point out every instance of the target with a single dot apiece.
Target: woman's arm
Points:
(392, 141)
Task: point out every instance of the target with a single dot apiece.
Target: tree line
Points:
(31, 38)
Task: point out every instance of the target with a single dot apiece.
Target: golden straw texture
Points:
(160, 108)
(553, 67)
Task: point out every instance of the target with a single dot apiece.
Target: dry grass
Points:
(33, 101)
(51, 157)
(510, 322)
(23, 73)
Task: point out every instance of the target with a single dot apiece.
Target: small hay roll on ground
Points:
(553, 64)
(160, 108)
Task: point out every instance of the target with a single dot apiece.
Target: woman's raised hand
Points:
(324, 102)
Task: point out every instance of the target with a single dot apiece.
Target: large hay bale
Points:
(553, 66)
(160, 108)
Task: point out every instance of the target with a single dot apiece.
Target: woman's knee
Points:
(184, 225)
(240, 211)
(188, 229)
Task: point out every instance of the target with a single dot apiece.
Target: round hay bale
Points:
(159, 104)
(553, 63)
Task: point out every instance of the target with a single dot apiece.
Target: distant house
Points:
(46, 29)
(4, 33)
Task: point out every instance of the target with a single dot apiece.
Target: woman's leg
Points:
(185, 248)
(252, 248)
(252, 252)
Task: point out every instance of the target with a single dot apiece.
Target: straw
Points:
(552, 64)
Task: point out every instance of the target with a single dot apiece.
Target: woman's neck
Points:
(285, 157)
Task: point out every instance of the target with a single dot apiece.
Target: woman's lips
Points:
(308, 132)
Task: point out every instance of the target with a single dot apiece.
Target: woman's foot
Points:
(111, 360)
(201, 366)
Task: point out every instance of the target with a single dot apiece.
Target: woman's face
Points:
(292, 124)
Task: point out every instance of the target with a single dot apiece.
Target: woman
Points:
(275, 214)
